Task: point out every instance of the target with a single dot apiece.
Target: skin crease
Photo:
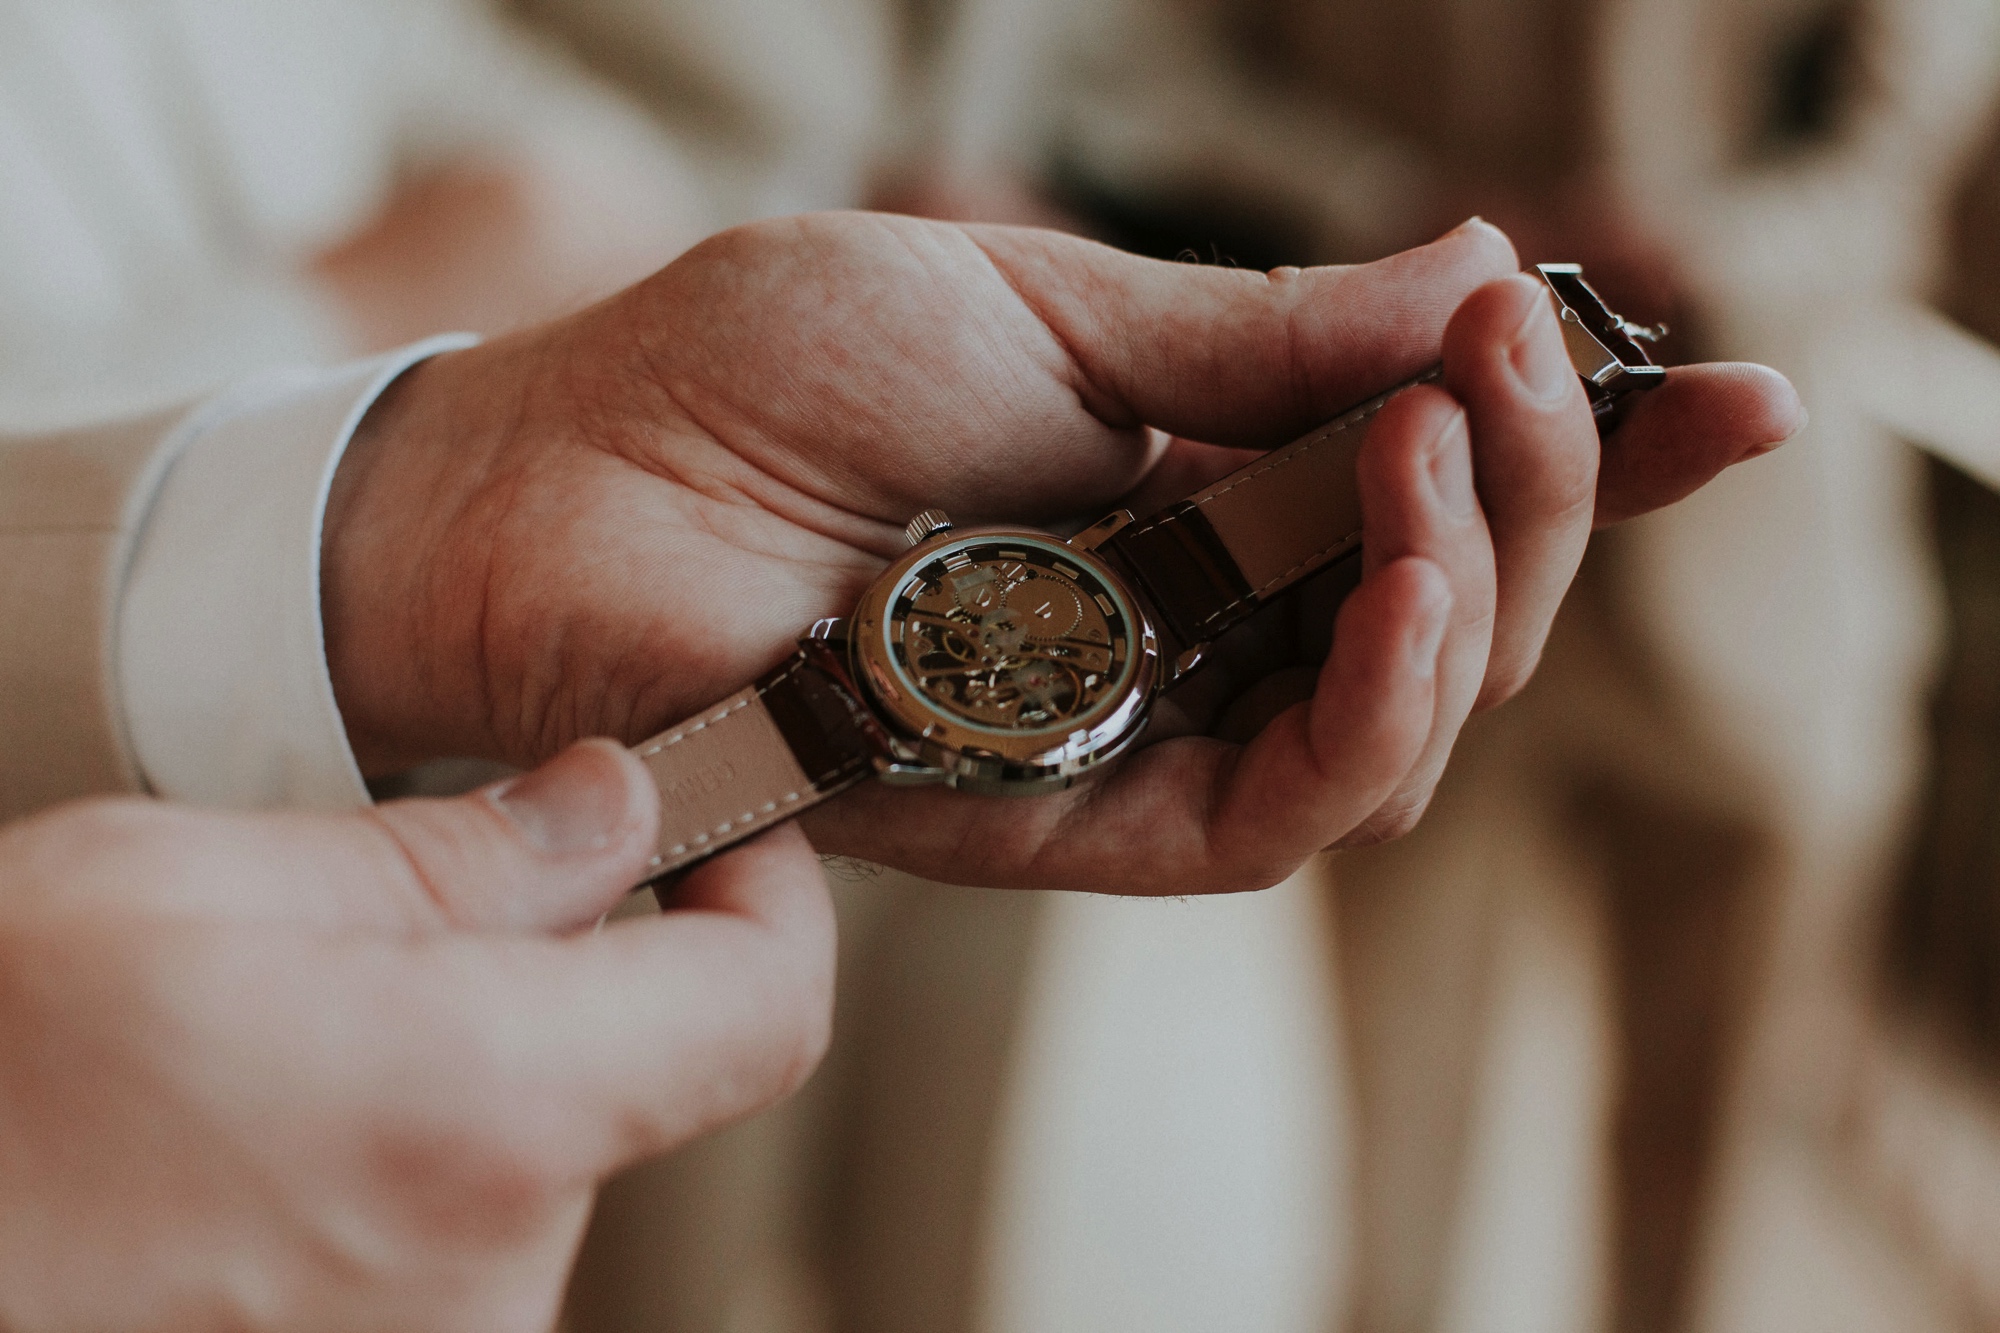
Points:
(599, 527)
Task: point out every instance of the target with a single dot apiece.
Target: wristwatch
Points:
(1008, 660)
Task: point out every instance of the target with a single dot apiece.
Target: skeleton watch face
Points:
(1011, 635)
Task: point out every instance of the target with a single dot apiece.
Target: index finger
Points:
(1236, 357)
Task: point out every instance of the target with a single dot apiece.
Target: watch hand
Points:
(1079, 647)
(943, 621)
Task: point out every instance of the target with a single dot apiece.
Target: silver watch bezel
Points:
(931, 746)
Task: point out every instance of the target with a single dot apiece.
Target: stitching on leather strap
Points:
(1361, 415)
(770, 810)
(1250, 474)
(1231, 608)
(1272, 465)
(677, 737)
(1255, 593)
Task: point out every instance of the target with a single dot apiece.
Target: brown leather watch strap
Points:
(756, 759)
(1210, 561)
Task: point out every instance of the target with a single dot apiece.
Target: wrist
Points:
(393, 597)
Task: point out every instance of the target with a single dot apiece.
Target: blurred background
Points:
(1682, 1009)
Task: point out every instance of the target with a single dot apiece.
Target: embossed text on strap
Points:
(754, 760)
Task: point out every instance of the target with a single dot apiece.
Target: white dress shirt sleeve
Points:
(221, 656)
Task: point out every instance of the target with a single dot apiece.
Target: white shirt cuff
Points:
(221, 652)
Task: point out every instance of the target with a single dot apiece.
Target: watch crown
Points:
(926, 526)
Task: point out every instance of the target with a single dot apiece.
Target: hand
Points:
(605, 525)
(291, 1072)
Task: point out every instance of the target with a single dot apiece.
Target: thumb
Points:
(554, 848)
(550, 849)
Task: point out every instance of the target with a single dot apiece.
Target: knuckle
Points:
(435, 851)
(391, 849)
(1420, 412)
(1540, 471)
(1399, 438)
(1569, 485)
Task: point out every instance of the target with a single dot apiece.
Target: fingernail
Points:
(1450, 468)
(574, 804)
(1763, 447)
(1539, 356)
(1474, 221)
